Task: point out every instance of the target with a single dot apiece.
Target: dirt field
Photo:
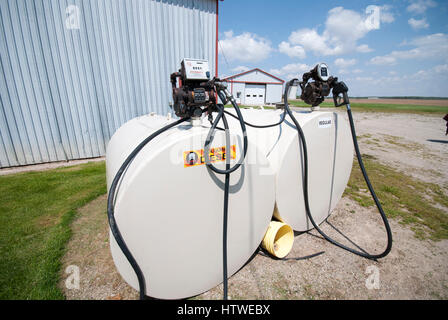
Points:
(415, 269)
(418, 102)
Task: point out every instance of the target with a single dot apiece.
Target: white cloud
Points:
(431, 46)
(386, 16)
(348, 71)
(344, 63)
(247, 47)
(309, 39)
(383, 60)
(240, 69)
(420, 74)
(418, 24)
(363, 48)
(292, 70)
(343, 28)
(364, 79)
(292, 51)
(425, 82)
(443, 69)
(420, 6)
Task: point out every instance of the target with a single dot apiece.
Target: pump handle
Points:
(339, 87)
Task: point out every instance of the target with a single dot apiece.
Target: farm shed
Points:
(72, 72)
(255, 87)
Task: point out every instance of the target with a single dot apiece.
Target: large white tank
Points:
(170, 213)
(330, 158)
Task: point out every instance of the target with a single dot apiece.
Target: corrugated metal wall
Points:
(67, 84)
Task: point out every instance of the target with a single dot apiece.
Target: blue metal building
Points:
(73, 71)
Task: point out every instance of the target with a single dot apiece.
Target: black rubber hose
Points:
(111, 206)
(225, 210)
(283, 117)
(366, 178)
(228, 170)
(211, 136)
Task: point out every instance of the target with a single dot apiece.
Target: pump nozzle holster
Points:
(340, 96)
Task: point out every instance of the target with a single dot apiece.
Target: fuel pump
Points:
(314, 93)
(195, 95)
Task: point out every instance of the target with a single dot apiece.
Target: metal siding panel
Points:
(72, 137)
(77, 88)
(274, 93)
(22, 39)
(108, 67)
(13, 150)
(7, 153)
(51, 111)
(134, 32)
(65, 92)
(124, 48)
(238, 87)
(47, 120)
(11, 72)
(86, 83)
(94, 51)
(95, 126)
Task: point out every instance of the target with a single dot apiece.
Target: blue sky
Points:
(390, 48)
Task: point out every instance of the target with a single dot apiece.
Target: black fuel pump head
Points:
(315, 91)
(192, 89)
(320, 86)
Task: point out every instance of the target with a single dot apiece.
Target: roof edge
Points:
(255, 69)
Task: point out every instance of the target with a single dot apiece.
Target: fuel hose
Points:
(228, 170)
(111, 205)
(302, 141)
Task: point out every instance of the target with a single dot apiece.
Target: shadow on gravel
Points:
(438, 141)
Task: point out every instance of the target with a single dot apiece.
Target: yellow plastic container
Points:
(279, 239)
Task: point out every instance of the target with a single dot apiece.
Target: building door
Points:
(255, 94)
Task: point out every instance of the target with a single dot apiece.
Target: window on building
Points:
(238, 95)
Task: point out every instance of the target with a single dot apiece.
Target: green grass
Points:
(415, 203)
(36, 209)
(250, 107)
(398, 108)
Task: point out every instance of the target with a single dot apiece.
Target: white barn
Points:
(255, 87)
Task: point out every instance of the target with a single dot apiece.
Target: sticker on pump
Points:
(196, 157)
(324, 122)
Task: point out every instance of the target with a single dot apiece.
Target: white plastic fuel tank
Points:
(169, 207)
(330, 158)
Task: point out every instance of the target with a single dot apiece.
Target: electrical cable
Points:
(111, 206)
(283, 116)
(228, 170)
(211, 136)
(364, 173)
(225, 208)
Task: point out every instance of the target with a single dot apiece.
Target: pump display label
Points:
(196, 157)
(325, 122)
